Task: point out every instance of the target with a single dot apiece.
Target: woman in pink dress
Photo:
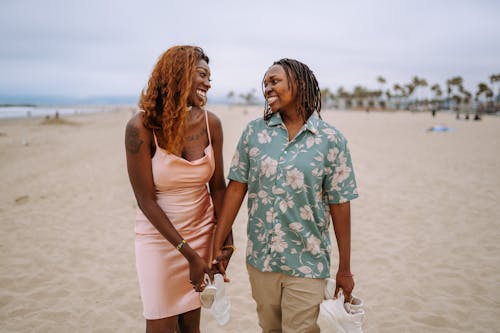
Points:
(174, 150)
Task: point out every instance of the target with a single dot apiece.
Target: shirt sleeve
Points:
(340, 183)
(240, 165)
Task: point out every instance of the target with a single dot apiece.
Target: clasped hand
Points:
(198, 268)
(220, 262)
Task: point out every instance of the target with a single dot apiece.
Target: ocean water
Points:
(42, 111)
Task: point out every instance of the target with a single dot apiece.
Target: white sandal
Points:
(336, 314)
(222, 305)
(207, 296)
(355, 304)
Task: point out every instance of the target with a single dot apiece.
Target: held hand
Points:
(197, 270)
(344, 281)
(221, 261)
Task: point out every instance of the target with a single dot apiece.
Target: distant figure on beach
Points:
(298, 173)
(174, 149)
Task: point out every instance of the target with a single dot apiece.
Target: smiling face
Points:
(200, 84)
(278, 91)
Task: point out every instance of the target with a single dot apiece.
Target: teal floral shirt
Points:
(290, 187)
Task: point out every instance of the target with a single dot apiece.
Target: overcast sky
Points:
(85, 48)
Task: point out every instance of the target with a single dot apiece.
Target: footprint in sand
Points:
(22, 199)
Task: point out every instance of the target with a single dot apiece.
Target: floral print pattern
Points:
(290, 187)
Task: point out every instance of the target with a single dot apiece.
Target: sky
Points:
(82, 48)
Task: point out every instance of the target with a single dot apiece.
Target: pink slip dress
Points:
(182, 193)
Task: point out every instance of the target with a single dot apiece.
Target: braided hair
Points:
(307, 92)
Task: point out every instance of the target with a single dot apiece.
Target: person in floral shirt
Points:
(298, 173)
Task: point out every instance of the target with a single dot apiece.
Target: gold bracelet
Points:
(229, 246)
(181, 244)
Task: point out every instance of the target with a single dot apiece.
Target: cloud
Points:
(109, 47)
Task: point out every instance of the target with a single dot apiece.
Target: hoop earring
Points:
(267, 112)
(204, 102)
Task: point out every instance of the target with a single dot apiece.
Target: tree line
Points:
(417, 94)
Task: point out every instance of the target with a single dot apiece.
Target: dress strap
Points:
(208, 128)
(154, 135)
(156, 140)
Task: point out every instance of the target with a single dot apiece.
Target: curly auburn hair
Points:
(306, 90)
(165, 99)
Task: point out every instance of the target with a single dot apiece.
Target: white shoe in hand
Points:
(221, 307)
(207, 296)
(349, 320)
(337, 316)
(355, 304)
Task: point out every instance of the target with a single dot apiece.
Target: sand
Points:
(426, 228)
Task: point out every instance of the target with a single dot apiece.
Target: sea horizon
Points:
(21, 106)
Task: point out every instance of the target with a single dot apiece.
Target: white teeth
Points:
(271, 100)
(203, 95)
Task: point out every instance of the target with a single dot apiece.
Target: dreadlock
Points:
(308, 94)
(165, 99)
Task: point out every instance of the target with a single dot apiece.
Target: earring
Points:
(267, 111)
(203, 102)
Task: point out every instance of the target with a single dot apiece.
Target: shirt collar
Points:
(275, 120)
(311, 124)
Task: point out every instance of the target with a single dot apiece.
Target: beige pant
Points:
(285, 303)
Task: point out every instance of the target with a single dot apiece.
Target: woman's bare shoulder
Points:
(214, 120)
(136, 133)
(137, 120)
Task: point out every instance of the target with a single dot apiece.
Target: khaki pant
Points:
(285, 303)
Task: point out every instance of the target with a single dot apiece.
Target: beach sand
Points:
(425, 229)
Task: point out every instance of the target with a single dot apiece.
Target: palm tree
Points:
(359, 95)
(484, 89)
(423, 83)
(448, 93)
(456, 81)
(249, 97)
(341, 92)
(376, 95)
(381, 79)
(457, 99)
(230, 96)
(466, 97)
(494, 79)
(417, 83)
(436, 89)
(344, 95)
(410, 89)
(389, 96)
(326, 96)
(399, 90)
